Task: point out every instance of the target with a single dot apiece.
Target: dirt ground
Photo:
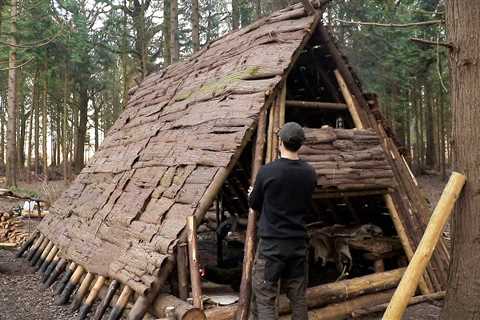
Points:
(22, 298)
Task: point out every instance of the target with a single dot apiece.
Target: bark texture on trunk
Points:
(195, 26)
(463, 296)
(11, 173)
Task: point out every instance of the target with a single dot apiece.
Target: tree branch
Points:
(392, 25)
(432, 43)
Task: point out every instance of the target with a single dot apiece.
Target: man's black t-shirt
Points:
(282, 195)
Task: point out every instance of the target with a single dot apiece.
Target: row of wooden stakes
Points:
(45, 257)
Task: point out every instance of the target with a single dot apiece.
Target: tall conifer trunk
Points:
(463, 293)
(11, 173)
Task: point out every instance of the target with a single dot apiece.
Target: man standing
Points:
(282, 195)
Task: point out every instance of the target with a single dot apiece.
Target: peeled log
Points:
(328, 293)
(184, 310)
(424, 251)
(344, 309)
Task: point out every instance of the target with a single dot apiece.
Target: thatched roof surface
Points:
(183, 125)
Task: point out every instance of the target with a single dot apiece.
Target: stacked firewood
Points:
(14, 229)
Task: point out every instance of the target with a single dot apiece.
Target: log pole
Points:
(183, 310)
(102, 307)
(87, 304)
(48, 259)
(425, 249)
(82, 291)
(70, 286)
(39, 252)
(50, 268)
(121, 303)
(329, 293)
(193, 259)
(246, 282)
(402, 234)
(66, 276)
(27, 244)
(60, 266)
(182, 271)
(34, 248)
(283, 105)
(44, 255)
(350, 101)
(317, 105)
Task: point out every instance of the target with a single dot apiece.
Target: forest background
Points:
(66, 67)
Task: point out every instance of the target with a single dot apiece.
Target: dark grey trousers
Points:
(279, 262)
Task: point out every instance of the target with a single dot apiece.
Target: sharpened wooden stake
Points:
(51, 266)
(82, 291)
(66, 276)
(59, 267)
(44, 255)
(48, 259)
(27, 244)
(121, 303)
(34, 248)
(102, 307)
(433, 232)
(39, 251)
(195, 278)
(71, 285)
(90, 300)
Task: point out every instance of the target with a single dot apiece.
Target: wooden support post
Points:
(350, 100)
(283, 105)
(70, 286)
(122, 301)
(270, 134)
(195, 279)
(48, 259)
(35, 246)
(102, 307)
(50, 268)
(27, 244)
(182, 271)
(143, 302)
(249, 256)
(82, 291)
(317, 105)
(402, 234)
(424, 252)
(90, 300)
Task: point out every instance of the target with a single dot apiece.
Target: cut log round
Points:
(184, 310)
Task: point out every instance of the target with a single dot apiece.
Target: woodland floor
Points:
(22, 298)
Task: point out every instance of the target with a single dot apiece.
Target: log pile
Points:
(347, 159)
(13, 229)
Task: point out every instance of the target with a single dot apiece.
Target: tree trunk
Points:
(258, 9)
(430, 158)
(81, 130)
(30, 132)
(463, 25)
(195, 26)
(124, 58)
(65, 144)
(2, 136)
(22, 123)
(235, 14)
(174, 51)
(95, 123)
(166, 31)
(11, 172)
(37, 125)
(45, 122)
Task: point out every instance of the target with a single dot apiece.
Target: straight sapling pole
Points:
(418, 264)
